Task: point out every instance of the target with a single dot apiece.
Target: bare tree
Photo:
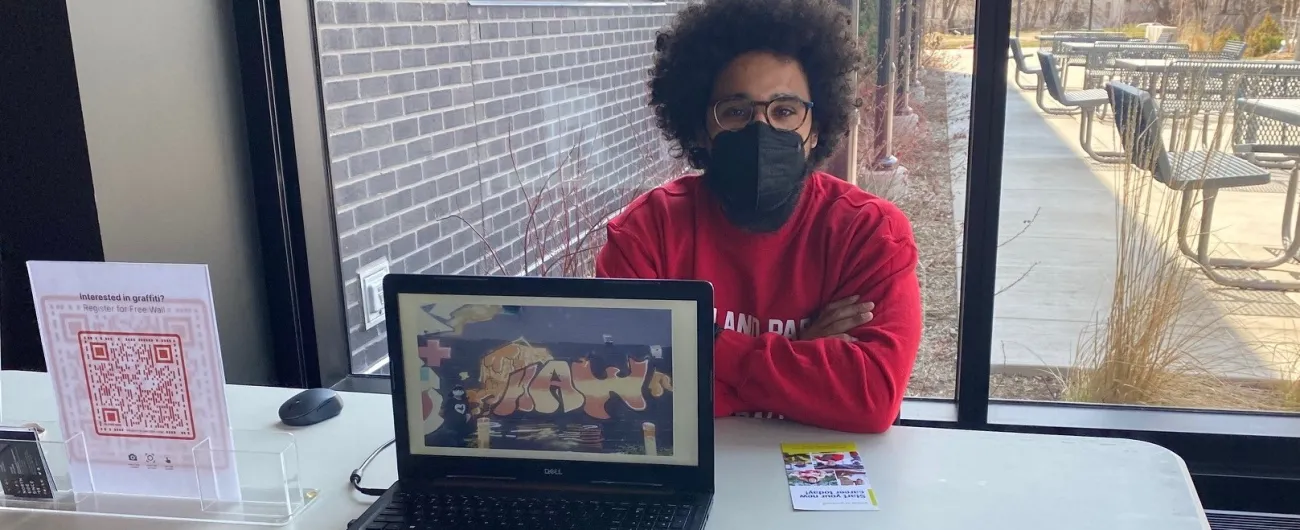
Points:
(1034, 16)
(1057, 11)
(948, 11)
(1162, 10)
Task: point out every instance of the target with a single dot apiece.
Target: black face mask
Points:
(757, 173)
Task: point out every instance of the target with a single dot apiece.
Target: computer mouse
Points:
(310, 407)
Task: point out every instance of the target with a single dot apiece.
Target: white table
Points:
(926, 479)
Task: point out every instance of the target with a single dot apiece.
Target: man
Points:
(818, 306)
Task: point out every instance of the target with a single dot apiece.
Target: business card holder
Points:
(270, 489)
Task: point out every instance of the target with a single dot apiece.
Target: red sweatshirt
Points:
(840, 241)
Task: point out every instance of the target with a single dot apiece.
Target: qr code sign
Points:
(137, 385)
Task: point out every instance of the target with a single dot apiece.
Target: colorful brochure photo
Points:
(827, 477)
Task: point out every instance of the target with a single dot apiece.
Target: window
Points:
(1097, 300)
(492, 139)
(1053, 301)
(918, 166)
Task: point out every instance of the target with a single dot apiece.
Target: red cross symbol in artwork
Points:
(433, 353)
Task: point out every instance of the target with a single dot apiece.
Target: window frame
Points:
(1247, 461)
(564, 3)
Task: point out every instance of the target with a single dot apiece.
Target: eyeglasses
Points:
(785, 113)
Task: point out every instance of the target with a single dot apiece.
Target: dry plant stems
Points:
(1289, 386)
(1284, 393)
(926, 151)
(1196, 37)
(1144, 349)
(906, 143)
(923, 149)
(564, 218)
(1129, 356)
(559, 210)
(933, 56)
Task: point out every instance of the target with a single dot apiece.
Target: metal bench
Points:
(1018, 55)
(1040, 98)
(1087, 101)
(1234, 50)
(1139, 122)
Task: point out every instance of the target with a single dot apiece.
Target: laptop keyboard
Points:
(439, 511)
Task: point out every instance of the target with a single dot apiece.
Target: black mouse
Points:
(310, 407)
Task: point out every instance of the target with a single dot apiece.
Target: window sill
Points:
(928, 412)
(365, 384)
(1149, 419)
(1043, 416)
(1028, 416)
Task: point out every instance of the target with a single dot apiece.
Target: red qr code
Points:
(137, 385)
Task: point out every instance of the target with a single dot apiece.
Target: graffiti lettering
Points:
(550, 386)
(554, 374)
(597, 391)
(516, 393)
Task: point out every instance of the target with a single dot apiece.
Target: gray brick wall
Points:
(481, 139)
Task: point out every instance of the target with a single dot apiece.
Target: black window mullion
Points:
(983, 190)
(274, 177)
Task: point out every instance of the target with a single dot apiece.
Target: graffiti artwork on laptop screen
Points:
(546, 378)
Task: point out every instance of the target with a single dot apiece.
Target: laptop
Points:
(548, 403)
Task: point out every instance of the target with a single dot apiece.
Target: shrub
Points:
(1133, 31)
(1222, 37)
(1195, 36)
(867, 29)
(1264, 38)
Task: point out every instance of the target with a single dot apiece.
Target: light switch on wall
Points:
(372, 291)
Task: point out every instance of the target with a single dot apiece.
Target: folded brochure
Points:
(827, 476)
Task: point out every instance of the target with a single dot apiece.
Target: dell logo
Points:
(553, 471)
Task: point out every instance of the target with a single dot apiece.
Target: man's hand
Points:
(837, 319)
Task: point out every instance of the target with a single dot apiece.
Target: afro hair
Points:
(704, 38)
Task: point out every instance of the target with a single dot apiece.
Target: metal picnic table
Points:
(1052, 37)
(1081, 47)
(1056, 42)
(1154, 71)
(1284, 110)
(1167, 65)
(1099, 57)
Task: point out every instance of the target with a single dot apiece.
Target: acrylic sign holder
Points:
(271, 492)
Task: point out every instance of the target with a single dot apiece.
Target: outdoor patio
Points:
(1057, 263)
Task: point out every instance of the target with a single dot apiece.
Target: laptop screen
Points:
(578, 379)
